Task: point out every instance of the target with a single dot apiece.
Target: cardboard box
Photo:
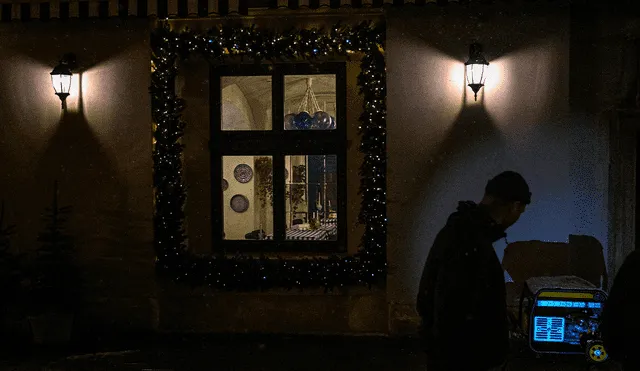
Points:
(582, 256)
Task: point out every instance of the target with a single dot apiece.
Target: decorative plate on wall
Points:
(239, 203)
(243, 173)
(225, 185)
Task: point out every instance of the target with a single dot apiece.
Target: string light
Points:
(245, 273)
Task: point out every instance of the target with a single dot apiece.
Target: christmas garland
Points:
(369, 265)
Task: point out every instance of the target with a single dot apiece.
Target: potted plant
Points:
(295, 192)
(55, 279)
(264, 183)
(264, 180)
(299, 188)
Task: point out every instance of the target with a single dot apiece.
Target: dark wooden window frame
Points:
(277, 143)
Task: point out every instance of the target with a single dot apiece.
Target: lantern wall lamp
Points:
(476, 68)
(61, 77)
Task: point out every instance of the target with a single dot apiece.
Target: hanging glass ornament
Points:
(321, 120)
(303, 121)
(289, 122)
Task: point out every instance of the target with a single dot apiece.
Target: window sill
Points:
(178, 290)
(287, 255)
(292, 255)
(294, 249)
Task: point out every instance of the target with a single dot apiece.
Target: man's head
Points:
(506, 195)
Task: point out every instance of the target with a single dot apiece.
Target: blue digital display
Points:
(568, 304)
(548, 329)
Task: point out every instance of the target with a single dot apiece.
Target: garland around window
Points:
(173, 260)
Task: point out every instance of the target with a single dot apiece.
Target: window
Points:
(278, 157)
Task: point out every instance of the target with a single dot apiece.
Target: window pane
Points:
(248, 197)
(310, 102)
(246, 102)
(311, 197)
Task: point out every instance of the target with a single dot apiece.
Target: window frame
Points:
(276, 143)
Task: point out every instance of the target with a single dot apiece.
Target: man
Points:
(462, 295)
(620, 326)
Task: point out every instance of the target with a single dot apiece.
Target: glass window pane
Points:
(246, 102)
(311, 197)
(310, 102)
(248, 197)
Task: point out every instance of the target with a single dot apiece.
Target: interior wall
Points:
(238, 224)
(99, 150)
(522, 121)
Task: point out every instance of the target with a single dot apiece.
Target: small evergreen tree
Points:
(9, 264)
(56, 279)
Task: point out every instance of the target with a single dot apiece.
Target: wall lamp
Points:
(61, 77)
(477, 67)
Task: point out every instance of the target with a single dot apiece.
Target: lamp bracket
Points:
(70, 60)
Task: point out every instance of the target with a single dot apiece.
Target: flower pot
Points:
(51, 328)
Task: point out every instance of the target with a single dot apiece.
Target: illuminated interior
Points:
(311, 179)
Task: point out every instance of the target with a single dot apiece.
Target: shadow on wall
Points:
(99, 150)
(458, 143)
(471, 132)
(88, 182)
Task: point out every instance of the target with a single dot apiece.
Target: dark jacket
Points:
(462, 295)
(620, 327)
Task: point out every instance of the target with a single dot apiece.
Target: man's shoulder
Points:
(454, 238)
(460, 226)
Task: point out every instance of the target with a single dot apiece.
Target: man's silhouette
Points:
(462, 295)
(620, 317)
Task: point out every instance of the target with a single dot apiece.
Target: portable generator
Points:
(561, 315)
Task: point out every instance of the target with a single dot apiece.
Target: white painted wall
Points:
(520, 122)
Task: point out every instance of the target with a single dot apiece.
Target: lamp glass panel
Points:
(476, 73)
(61, 83)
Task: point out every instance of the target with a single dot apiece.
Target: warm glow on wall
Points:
(32, 100)
(100, 91)
(445, 74)
(457, 80)
(499, 77)
(528, 79)
(109, 102)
